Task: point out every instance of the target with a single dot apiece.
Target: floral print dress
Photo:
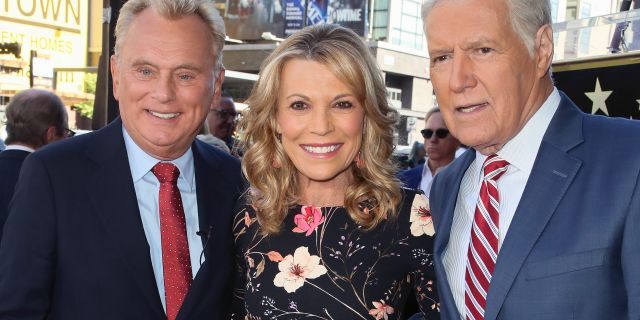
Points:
(322, 265)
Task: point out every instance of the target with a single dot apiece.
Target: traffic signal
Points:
(10, 48)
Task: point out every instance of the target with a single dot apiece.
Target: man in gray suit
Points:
(540, 219)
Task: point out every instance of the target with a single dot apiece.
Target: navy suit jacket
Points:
(74, 245)
(411, 178)
(573, 247)
(10, 164)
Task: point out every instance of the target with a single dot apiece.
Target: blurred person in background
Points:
(221, 121)
(440, 148)
(132, 221)
(417, 154)
(35, 118)
(326, 231)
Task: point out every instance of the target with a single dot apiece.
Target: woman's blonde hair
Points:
(272, 175)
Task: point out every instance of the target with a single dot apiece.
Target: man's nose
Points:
(462, 76)
(164, 90)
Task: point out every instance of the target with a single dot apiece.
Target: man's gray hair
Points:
(29, 115)
(527, 16)
(174, 9)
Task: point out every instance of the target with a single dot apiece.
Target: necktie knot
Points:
(494, 167)
(166, 172)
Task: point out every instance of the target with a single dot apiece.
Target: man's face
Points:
(439, 149)
(486, 83)
(221, 119)
(164, 81)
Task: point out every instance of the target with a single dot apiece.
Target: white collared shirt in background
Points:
(520, 152)
(19, 147)
(147, 189)
(427, 178)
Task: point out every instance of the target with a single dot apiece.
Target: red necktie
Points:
(176, 262)
(483, 247)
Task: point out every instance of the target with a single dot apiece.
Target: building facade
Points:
(44, 42)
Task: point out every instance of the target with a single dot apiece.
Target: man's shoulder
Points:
(217, 162)
(214, 156)
(597, 123)
(72, 147)
(417, 170)
(612, 133)
(12, 155)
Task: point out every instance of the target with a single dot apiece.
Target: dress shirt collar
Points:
(426, 170)
(521, 150)
(19, 147)
(141, 162)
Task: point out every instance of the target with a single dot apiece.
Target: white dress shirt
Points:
(147, 189)
(520, 152)
(427, 178)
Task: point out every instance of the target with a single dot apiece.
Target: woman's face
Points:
(320, 119)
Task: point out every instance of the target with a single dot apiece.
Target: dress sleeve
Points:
(241, 223)
(421, 246)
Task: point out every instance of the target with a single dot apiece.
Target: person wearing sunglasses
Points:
(440, 147)
(221, 121)
(35, 118)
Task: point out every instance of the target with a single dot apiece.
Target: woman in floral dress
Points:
(325, 230)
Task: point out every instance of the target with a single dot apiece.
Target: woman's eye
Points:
(298, 105)
(344, 105)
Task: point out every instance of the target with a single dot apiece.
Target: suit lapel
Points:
(209, 189)
(552, 174)
(114, 201)
(448, 200)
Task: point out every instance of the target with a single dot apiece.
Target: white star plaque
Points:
(598, 97)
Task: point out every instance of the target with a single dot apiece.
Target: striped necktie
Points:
(483, 246)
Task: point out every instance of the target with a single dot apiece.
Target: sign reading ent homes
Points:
(55, 29)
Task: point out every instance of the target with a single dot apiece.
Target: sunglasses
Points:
(223, 113)
(69, 133)
(440, 133)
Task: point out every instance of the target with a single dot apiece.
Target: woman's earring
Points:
(275, 163)
(359, 161)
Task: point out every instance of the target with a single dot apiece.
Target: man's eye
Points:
(144, 72)
(185, 77)
(484, 50)
(439, 59)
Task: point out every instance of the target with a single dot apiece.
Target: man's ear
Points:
(51, 135)
(114, 75)
(217, 86)
(543, 50)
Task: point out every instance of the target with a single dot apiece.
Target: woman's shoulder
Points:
(415, 213)
(245, 218)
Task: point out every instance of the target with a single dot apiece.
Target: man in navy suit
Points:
(132, 221)
(35, 118)
(440, 147)
(541, 218)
